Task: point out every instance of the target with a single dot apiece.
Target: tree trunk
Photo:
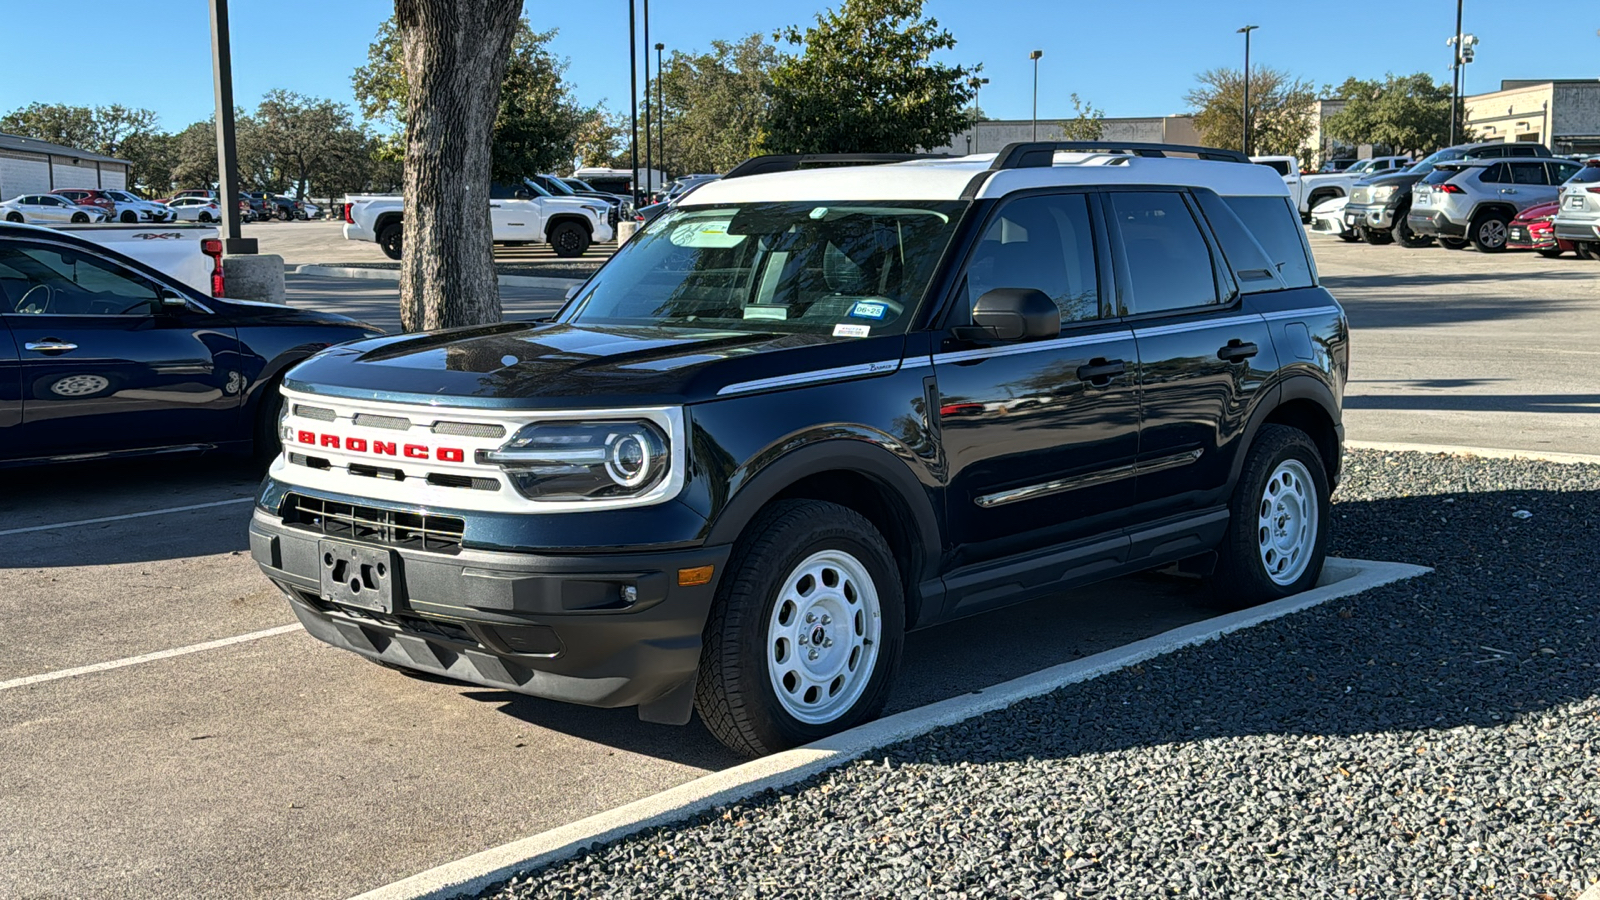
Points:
(454, 53)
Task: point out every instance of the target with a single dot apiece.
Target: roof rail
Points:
(1038, 154)
(789, 162)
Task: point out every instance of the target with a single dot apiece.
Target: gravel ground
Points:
(1435, 738)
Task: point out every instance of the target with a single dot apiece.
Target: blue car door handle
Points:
(50, 345)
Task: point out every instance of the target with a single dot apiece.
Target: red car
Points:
(90, 197)
(1532, 229)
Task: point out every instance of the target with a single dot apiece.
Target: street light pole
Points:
(977, 85)
(227, 149)
(633, 99)
(1035, 57)
(1455, 73)
(649, 164)
(661, 108)
(1245, 142)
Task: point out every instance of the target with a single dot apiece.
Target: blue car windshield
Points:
(839, 269)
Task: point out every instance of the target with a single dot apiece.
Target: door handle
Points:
(50, 345)
(1237, 351)
(494, 206)
(1508, 190)
(1100, 371)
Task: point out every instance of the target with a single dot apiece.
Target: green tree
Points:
(295, 141)
(195, 155)
(602, 139)
(538, 121)
(1403, 113)
(717, 104)
(1087, 125)
(1282, 111)
(866, 82)
(115, 130)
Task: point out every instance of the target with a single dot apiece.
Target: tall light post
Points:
(633, 100)
(1455, 72)
(661, 109)
(1035, 57)
(649, 163)
(227, 149)
(1245, 130)
(976, 84)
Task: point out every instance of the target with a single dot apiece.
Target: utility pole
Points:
(227, 150)
(1035, 57)
(633, 99)
(1455, 73)
(649, 161)
(977, 84)
(1245, 129)
(661, 107)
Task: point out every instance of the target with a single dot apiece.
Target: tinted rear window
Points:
(1440, 176)
(1276, 227)
(1281, 166)
(1588, 175)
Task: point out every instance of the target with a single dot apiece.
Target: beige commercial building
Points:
(1562, 115)
(993, 134)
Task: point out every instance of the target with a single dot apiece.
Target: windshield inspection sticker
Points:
(766, 312)
(866, 309)
(852, 330)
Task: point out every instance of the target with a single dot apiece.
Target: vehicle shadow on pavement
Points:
(1508, 626)
(1407, 305)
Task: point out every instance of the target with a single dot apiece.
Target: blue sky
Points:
(1130, 58)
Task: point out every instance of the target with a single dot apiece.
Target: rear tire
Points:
(389, 240)
(1551, 253)
(1452, 243)
(205, 218)
(14, 217)
(1488, 231)
(1589, 251)
(810, 605)
(569, 239)
(1277, 538)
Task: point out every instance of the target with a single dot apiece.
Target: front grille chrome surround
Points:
(439, 460)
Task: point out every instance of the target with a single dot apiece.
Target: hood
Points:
(599, 206)
(254, 312)
(1539, 211)
(1398, 179)
(556, 366)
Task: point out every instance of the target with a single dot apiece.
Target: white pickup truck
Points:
(520, 213)
(1309, 190)
(191, 254)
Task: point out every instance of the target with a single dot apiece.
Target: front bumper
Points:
(1520, 236)
(1435, 224)
(1373, 217)
(551, 626)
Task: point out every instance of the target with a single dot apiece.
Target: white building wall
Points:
(82, 175)
(113, 177)
(22, 173)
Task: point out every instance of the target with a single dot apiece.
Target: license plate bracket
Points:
(357, 575)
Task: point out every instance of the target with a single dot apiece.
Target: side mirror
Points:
(572, 292)
(1012, 314)
(521, 194)
(172, 299)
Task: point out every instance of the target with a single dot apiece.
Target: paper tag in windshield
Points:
(852, 330)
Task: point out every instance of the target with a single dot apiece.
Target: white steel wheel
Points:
(1287, 522)
(823, 637)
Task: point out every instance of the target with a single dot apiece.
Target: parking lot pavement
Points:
(1468, 349)
(277, 767)
(378, 302)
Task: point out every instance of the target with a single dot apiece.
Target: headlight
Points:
(584, 460)
(1382, 193)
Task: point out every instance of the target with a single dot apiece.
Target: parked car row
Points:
(85, 206)
(1492, 196)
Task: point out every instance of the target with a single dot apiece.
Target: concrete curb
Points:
(1340, 578)
(1483, 452)
(394, 275)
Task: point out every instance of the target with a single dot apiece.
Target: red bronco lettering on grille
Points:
(381, 448)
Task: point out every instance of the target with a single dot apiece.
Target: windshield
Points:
(121, 197)
(556, 185)
(1359, 167)
(575, 183)
(1426, 164)
(846, 269)
(533, 186)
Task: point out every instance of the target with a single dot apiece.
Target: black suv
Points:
(803, 413)
(1378, 206)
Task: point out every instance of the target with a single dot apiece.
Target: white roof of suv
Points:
(948, 179)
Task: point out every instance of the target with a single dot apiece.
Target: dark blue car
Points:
(101, 356)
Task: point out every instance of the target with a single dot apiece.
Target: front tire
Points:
(1408, 238)
(806, 631)
(1453, 243)
(1277, 537)
(1378, 238)
(80, 218)
(1489, 231)
(389, 240)
(1551, 253)
(569, 239)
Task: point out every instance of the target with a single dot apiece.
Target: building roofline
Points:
(21, 144)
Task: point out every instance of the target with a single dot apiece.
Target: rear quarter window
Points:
(1587, 175)
(1276, 227)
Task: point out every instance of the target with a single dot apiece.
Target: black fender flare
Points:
(560, 218)
(868, 456)
(1294, 387)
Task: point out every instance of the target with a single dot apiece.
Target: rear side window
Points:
(1561, 171)
(1495, 174)
(1277, 165)
(1169, 262)
(1440, 176)
(1276, 227)
(1528, 173)
(1588, 175)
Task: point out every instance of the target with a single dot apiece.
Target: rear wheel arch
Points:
(1308, 405)
(859, 476)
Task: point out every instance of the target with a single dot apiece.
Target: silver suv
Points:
(1475, 200)
(1578, 218)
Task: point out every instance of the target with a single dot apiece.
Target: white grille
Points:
(427, 455)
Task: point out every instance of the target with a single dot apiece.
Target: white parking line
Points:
(137, 515)
(147, 657)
